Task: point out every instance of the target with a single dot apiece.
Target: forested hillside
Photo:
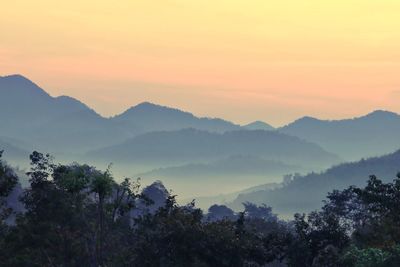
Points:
(305, 193)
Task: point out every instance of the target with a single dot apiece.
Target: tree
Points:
(77, 215)
(71, 211)
(8, 181)
(101, 185)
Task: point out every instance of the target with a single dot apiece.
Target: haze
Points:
(240, 60)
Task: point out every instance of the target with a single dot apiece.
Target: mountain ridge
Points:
(369, 135)
(62, 123)
(181, 145)
(310, 190)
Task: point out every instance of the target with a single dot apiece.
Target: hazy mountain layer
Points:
(372, 135)
(225, 175)
(190, 145)
(305, 193)
(149, 136)
(64, 125)
(54, 124)
(204, 202)
(148, 117)
(234, 166)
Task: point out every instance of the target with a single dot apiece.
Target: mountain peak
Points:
(18, 83)
(259, 125)
(308, 118)
(152, 109)
(305, 120)
(15, 77)
(152, 106)
(146, 104)
(381, 114)
(73, 104)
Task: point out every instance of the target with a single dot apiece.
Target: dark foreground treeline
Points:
(75, 215)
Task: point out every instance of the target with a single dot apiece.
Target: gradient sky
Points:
(238, 59)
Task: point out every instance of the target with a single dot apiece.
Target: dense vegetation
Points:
(76, 215)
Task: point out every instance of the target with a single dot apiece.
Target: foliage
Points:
(76, 215)
(8, 180)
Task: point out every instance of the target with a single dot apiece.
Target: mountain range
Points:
(155, 140)
(188, 145)
(54, 124)
(65, 125)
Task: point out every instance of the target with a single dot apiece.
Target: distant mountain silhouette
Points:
(148, 117)
(159, 137)
(49, 123)
(64, 124)
(371, 135)
(259, 125)
(191, 145)
(23, 102)
(305, 193)
(204, 202)
(240, 166)
(79, 132)
(230, 173)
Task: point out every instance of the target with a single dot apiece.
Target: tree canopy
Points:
(77, 215)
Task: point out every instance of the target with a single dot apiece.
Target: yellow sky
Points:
(240, 59)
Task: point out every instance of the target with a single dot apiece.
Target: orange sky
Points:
(237, 59)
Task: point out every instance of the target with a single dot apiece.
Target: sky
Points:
(241, 60)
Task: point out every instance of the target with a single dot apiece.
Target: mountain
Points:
(148, 117)
(258, 125)
(238, 165)
(204, 202)
(232, 173)
(12, 153)
(49, 123)
(79, 132)
(191, 145)
(25, 104)
(305, 193)
(370, 135)
(64, 126)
